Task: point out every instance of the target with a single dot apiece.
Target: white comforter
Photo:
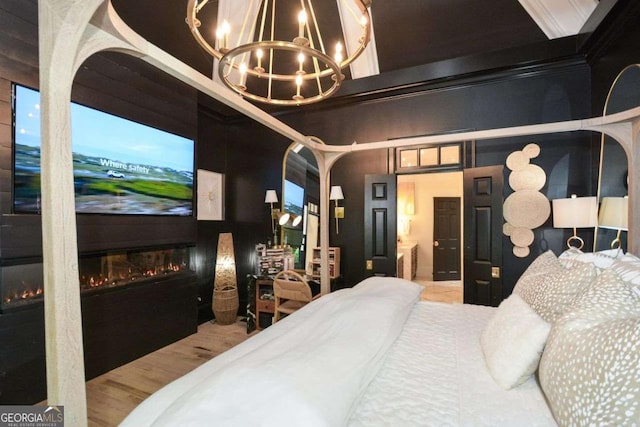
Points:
(363, 357)
(310, 369)
(435, 375)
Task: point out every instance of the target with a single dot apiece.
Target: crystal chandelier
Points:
(266, 61)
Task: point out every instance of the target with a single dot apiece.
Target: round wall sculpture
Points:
(526, 208)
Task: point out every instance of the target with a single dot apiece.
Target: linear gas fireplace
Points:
(22, 285)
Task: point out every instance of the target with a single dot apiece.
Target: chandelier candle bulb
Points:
(226, 30)
(298, 84)
(302, 20)
(251, 36)
(297, 96)
(243, 75)
(259, 55)
(338, 56)
(219, 37)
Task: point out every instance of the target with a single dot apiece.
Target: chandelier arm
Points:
(194, 24)
(265, 4)
(201, 5)
(273, 23)
(229, 59)
(226, 62)
(244, 25)
(315, 23)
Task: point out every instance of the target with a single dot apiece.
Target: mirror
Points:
(612, 177)
(300, 198)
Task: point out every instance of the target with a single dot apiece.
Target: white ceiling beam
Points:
(559, 18)
(367, 64)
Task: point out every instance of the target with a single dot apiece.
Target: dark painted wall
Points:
(553, 95)
(621, 51)
(127, 87)
(250, 156)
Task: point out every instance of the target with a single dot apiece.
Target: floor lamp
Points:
(225, 285)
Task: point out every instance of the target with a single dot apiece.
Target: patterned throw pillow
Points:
(550, 294)
(590, 368)
(544, 263)
(601, 259)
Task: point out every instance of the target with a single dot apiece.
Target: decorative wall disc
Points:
(520, 251)
(526, 208)
(507, 229)
(531, 150)
(517, 160)
(522, 236)
(530, 177)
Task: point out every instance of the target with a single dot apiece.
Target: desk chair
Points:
(291, 292)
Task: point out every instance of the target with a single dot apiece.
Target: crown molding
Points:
(559, 18)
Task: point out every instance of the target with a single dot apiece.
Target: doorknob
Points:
(436, 243)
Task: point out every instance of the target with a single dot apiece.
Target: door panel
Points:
(446, 238)
(380, 224)
(483, 235)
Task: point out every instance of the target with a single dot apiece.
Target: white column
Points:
(61, 27)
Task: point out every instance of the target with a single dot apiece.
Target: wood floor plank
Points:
(112, 396)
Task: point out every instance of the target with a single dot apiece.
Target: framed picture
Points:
(210, 200)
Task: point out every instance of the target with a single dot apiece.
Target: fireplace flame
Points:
(116, 271)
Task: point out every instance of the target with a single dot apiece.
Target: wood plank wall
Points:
(126, 87)
(111, 82)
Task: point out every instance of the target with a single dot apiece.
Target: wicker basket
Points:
(225, 305)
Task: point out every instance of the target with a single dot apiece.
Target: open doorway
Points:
(416, 237)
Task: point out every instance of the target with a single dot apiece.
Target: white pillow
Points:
(513, 341)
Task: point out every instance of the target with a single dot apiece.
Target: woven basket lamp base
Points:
(225, 305)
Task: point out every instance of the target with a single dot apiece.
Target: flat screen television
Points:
(119, 166)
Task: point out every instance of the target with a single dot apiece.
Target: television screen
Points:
(119, 166)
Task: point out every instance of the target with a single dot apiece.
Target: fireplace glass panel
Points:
(23, 284)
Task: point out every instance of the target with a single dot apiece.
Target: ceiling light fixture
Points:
(258, 66)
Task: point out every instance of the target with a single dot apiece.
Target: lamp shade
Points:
(271, 197)
(575, 212)
(336, 193)
(225, 274)
(614, 213)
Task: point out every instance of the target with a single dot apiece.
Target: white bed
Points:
(368, 356)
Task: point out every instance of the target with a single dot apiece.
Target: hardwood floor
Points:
(112, 396)
(448, 291)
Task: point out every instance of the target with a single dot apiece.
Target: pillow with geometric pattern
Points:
(550, 294)
(601, 259)
(590, 367)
